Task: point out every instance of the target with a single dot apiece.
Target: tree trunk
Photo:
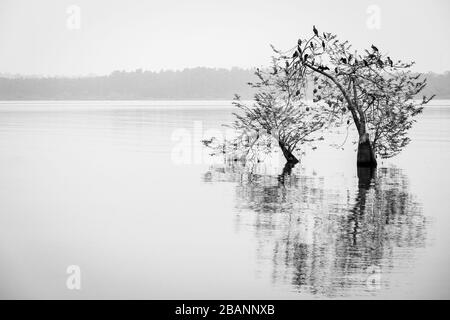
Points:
(287, 170)
(290, 158)
(366, 155)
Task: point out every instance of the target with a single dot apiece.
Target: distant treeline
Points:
(188, 84)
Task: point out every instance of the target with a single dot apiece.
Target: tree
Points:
(375, 92)
(277, 114)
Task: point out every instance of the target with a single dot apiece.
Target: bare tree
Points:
(375, 92)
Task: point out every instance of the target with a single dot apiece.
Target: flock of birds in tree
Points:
(344, 60)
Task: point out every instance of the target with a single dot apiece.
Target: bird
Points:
(323, 44)
(315, 31)
(374, 48)
(390, 61)
(336, 70)
(343, 60)
(299, 42)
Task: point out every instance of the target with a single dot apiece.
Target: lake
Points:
(124, 191)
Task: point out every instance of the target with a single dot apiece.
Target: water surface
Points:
(101, 185)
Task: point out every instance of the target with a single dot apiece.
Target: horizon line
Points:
(9, 75)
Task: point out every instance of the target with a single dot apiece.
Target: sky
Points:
(82, 37)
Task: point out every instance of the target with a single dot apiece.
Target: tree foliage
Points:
(278, 114)
(373, 91)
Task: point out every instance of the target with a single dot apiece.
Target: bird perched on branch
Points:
(315, 31)
(390, 61)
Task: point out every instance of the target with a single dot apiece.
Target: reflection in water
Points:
(326, 240)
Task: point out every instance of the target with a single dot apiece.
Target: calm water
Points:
(123, 191)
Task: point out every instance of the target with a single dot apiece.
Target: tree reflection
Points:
(324, 240)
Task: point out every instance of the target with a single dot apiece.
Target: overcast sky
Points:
(42, 38)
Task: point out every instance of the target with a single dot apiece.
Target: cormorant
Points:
(374, 48)
(315, 31)
(390, 61)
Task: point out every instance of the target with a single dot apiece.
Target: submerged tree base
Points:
(287, 169)
(365, 176)
(366, 155)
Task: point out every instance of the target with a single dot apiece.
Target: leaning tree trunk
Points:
(366, 155)
(290, 158)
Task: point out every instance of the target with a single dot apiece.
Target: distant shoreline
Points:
(186, 85)
(162, 103)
